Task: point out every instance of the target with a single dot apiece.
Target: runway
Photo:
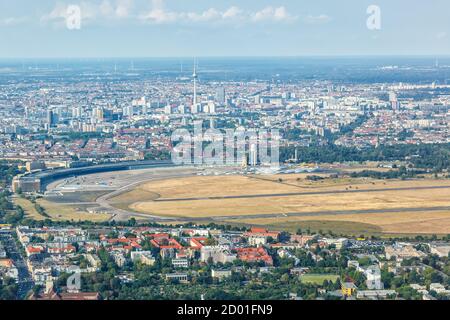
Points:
(290, 194)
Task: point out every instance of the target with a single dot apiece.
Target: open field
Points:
(338, 227)
(318, 279)
(284, 201)
(125, 200)
(393, 223)
(28, 207)
(236, 197)
(214, 186)
(65, 212)
(359, 206)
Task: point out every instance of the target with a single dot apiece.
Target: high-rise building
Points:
(52, 118)
(97, 114)
(49, 117)
(77, 112)
(128, 111)
(253, 155)
(195, 108)
(220, 96)
(393, 99)
(168, 109)
(211, 107)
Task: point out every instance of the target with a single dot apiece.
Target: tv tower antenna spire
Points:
(195, 76)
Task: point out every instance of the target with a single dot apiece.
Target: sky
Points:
(208, 28)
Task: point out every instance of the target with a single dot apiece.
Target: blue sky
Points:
(174, 28)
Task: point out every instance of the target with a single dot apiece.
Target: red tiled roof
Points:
(254, 255)
(197, 243)
(32, 249)
(171, 243)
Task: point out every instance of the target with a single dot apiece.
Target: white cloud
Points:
(123, 8)
(319, 19)
(232, 13)
(208, 15)
(107, 9)
(273, 14)
(12, 21)
(158, 14)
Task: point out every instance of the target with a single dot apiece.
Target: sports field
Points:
(318, 279)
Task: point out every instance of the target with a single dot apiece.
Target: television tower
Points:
(195, 76)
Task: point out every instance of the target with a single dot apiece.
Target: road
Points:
(124, 215)
(25, 281)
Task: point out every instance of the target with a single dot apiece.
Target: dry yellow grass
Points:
(261, 184)
(28, 208)
(400, 222)
(321, 205)
(63, 212)
(214, 186)
(307, 203)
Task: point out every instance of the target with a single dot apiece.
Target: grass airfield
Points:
(283, 201)
(345, 205)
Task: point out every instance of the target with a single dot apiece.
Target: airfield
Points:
(282, 201)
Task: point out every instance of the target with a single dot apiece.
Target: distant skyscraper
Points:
(211, 107)
(51, 118)
(168, 109)
(220, 95)
(98, 114)
(195, 108)
(128, 111)
(393, 99)
(253, 155)
(76, 112)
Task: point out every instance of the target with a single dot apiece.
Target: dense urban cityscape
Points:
(216, 159)
(71, 136)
